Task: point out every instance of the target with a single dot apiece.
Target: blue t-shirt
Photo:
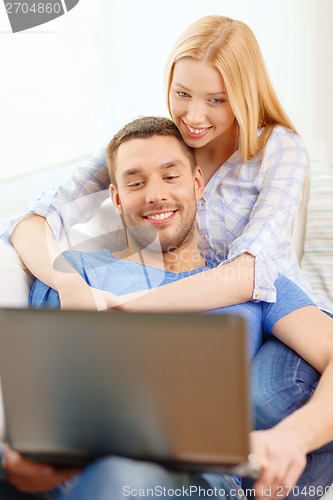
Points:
(104, 271)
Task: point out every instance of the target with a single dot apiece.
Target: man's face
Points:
(157, 191)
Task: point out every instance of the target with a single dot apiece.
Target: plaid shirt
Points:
(248, 206)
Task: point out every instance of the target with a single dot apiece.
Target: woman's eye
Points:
(216, 101)
(183, 94)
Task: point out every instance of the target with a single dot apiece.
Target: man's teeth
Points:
(196, 130)
(165, 215)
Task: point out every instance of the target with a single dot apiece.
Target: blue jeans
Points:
(282, 382)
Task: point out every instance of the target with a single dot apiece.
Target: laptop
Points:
(167, 388)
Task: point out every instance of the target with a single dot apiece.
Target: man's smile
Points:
(160, 217)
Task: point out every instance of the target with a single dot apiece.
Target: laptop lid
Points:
(171, 388)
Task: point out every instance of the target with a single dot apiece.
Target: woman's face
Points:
(199, 103)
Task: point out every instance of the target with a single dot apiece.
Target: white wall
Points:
(295, 37)
(134, 38)
(323, 74)
(47, 91)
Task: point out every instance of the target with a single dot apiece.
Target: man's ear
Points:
(115, 198)
(199, 183)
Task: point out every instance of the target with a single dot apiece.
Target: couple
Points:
(254, 164)
(156, 184)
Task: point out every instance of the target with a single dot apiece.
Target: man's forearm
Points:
(312, 424)
(309, 332)
(282, 450)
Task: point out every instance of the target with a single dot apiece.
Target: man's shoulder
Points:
(84, 258)
(285, 286)
(289, 298)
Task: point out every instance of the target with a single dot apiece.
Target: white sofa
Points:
(15, 281)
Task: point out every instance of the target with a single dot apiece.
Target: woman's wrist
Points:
(64, 280)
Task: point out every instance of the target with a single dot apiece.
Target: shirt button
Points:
(257, 295)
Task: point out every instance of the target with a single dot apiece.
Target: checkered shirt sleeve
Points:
(249, 207)
(70, 203)
(267, 234)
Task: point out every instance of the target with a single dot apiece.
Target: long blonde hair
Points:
(231, 47)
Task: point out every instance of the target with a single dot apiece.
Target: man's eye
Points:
(135, 184)
(171, 177)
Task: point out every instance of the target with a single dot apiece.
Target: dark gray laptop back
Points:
(171, 388)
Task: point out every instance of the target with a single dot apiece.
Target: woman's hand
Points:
(75, 293)
(32, 477)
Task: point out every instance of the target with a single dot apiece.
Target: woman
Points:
(254, 165)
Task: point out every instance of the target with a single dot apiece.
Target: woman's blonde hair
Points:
(231, 47)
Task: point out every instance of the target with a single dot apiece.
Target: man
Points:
(155, 186)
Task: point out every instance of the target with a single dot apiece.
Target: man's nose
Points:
(196, 112)
(156, 191)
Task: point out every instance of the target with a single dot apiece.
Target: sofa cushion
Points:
(317, 258)
(15, 280)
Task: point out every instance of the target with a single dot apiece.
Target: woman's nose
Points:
(196, 113)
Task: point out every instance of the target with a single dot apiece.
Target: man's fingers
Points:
(272, 477)
(32, 477)
(280, 484)
(292, 476)
(14, 462)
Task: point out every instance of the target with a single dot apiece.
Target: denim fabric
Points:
(282, 382)
(114, 478)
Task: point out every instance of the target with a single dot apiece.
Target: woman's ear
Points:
(199, 183)
(115, 198)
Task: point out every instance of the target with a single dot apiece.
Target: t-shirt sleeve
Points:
(70, 203)
(289, 298)
(268, 232)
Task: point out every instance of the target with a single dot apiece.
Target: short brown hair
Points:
(143, 128)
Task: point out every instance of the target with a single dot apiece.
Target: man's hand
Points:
(32, 477)
(282, 456)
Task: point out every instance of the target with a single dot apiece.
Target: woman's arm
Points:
(34, 242)
(218, 287)
(73, 202)
(267, 234)
(34, 238)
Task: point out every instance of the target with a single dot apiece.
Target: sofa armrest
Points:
(15, 280)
